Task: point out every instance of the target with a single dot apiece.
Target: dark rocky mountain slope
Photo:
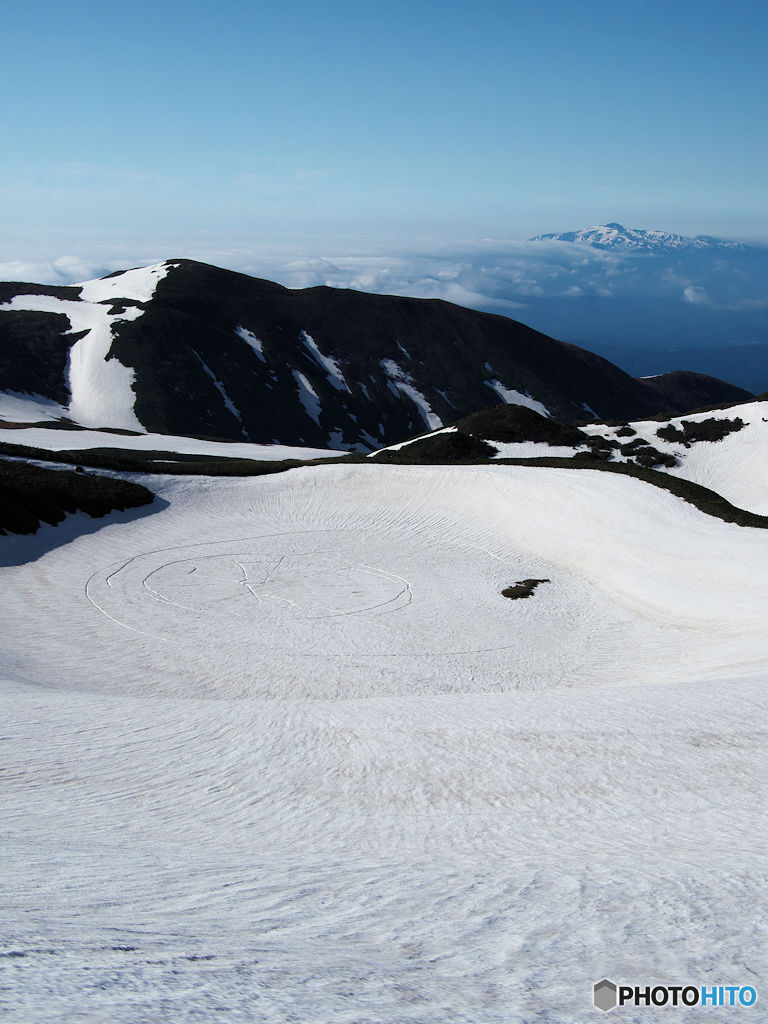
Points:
(220, 354)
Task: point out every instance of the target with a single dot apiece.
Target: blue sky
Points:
(145, 130)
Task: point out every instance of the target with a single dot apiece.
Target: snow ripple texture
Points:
(283, 752)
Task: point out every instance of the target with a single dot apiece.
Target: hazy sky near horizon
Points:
(160, 129)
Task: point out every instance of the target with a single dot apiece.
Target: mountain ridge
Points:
(186, 348)
(615, 237)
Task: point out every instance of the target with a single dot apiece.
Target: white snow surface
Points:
(512, 397)
(250, 338)
(328, 363)
(24, 407)
(412, 440)
(736, 467)
(532, 450)
(60, 439)
(588, 408)
(400, 381)
(282, 752)
(138, 284)
(229, 405)
(101, 388)
(308, 397)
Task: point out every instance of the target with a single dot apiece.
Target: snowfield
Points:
(58, 439)
(22, 407)
(283, 752)
(736, 466)
(138, 284)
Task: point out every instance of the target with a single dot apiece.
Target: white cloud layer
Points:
(501, 275)
(696, 295)
(62, 270)
(575, 292)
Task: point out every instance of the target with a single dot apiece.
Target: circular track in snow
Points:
(324, 592)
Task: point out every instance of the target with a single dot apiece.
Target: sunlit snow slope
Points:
(60, 439)
(735, 467)
(100, 386)
(282, 751)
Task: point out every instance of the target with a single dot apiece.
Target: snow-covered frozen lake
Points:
(283, 752)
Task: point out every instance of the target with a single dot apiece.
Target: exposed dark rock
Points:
(399, 357)
(510, 423)
(688, 432)
(522, 589)
(31, 495)
(454, 448)
(602, 444)
(688, 390)
(634, 446)
(652, 457)
(34, 352)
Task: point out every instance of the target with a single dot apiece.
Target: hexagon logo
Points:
(604, 996)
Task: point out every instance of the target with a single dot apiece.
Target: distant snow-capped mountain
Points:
(615, 237)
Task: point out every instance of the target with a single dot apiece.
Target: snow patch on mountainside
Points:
(400, 381)
(138, 284)
(331, 367)
(250, 339)
(308, 397)
(588, 409)
(101, 387)
(102, 393)
(228, 403)
(413, 440)
(512, 397)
